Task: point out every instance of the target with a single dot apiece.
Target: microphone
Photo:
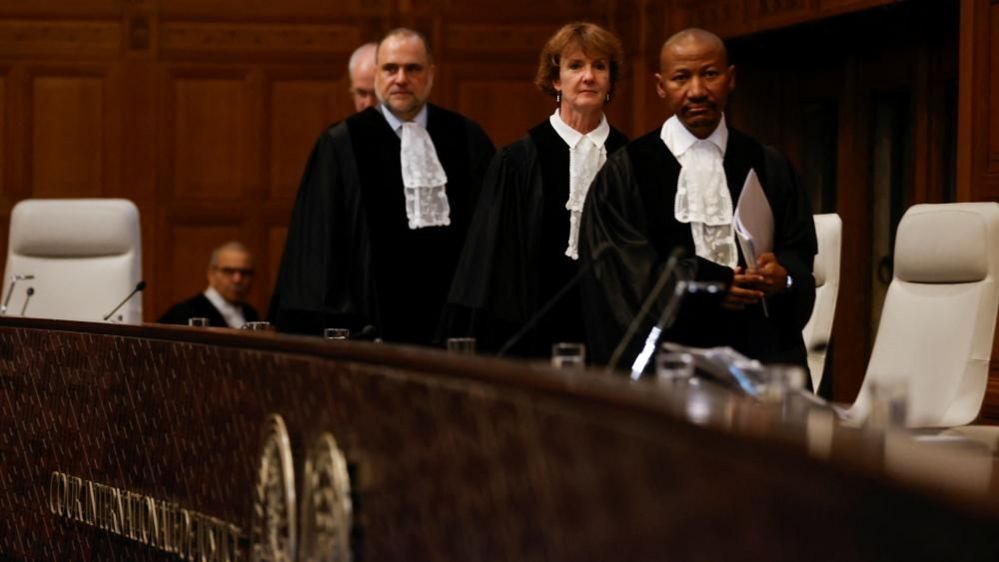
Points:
(30, 291)
(674, 258)
(10, 290)
(598, 255)
(138, 287)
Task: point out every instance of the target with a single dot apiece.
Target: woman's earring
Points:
(608, 97)
(558, 97)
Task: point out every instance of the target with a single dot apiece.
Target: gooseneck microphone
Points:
(28, 293)
(598, 255)
(10, 290)
(138, 287)
(667, 272)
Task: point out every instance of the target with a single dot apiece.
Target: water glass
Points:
(674, 366)
(336, 333)
(461, 346)
(889, 403)
(258, 326)
(569, 355)
(777, 382)
(197, 322)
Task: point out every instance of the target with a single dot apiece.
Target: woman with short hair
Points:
(522, 246)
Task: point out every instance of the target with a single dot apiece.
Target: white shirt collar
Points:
(396, 124)
(572, 137)
(233, 313)
(678, 139)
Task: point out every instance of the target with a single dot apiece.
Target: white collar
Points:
(396, 124)
(232, 313)
(678, 139)
(572, 137)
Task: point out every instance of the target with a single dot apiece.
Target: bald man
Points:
(361, 69)
(678, 186)
(223, 303)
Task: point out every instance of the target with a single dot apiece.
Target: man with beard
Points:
(383, 209)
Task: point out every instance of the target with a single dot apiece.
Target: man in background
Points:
(361, 70)
(223, 303)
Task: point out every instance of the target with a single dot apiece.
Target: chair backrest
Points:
(829, 231)
(85, 256)
(939, 315)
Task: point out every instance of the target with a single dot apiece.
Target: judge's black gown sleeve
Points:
(491, 294)
(324, 279)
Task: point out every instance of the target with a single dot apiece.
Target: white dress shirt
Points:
(232, 313)
(587, 155)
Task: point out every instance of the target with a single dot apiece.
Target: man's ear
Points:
(731, 78)
(659, 85)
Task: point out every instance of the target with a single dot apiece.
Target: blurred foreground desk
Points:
(166, 443)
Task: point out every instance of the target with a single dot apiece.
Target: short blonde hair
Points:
(591, 38)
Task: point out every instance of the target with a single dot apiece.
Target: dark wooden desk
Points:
(450, 458)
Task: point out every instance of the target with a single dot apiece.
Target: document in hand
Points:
(754, 222)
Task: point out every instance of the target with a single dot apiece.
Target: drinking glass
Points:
(197, 322)
(889, 403)
(778, 381)
(674, 366)
(461, 346)
(258, 326)
(568, 355)
(336, 333)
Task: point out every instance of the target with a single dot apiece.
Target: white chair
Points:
(829, 231)
(85, 256)
(939, 315)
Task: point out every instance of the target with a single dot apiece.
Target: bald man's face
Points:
(362, 83)
(695, 81)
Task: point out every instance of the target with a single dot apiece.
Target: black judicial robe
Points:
(514, 260)
(630, 206)
(199, 306)
(350, 259)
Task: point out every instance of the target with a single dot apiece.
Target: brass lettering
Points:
(57, 483)
(77, 504)
(152, 534)
(90, 511)
(163, 525)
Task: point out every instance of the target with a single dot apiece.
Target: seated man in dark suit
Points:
(230, 275)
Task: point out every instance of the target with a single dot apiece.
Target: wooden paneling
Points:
(63, 39)
(67, 136)
(299, 111)
(209, 121)
(524, 105)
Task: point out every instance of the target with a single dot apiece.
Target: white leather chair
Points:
(85, 256)
(829, 231)
(939, 315)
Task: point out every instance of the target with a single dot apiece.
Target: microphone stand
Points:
(10, 291)
(674, 258)
(138, 287)
(598, 255)
(30, 291)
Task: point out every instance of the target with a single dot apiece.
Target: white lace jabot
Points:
(702, 196)
(587, 155)
(423, 177)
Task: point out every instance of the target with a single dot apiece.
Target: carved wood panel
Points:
(299, 110)
(209, 128)
(68, 131)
